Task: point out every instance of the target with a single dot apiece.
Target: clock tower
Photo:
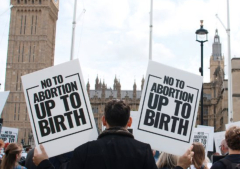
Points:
(56, 3)
(31, 47)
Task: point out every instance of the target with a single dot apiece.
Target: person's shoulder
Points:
(218, 165)
(85, 145)
(139, 143)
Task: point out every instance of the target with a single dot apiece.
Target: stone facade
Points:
(236, 88)
(31, 47)
(215, 93)
(101, 95)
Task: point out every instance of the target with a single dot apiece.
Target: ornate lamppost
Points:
(201, 37)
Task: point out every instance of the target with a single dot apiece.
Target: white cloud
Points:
(112, 37)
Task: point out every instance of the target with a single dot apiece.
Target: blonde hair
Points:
(167, 160)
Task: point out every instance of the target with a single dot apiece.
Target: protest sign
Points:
(135, 117)
(202, 135)
(9, 135)
(237, 123)
(168, 108)
(218, 138)
(210, 143)
(59, 108)
(3, 99)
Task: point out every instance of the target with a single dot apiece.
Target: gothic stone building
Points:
(102, 94)
(215, 93)
(31, 47)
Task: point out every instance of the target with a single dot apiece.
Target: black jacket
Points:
(114, 149)
(234, 158)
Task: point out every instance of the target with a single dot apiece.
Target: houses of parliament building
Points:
(215, 93)
(31, 47)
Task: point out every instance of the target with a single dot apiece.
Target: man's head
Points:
(232, 138)
(117, 113)
(28, 149)
(224, 147)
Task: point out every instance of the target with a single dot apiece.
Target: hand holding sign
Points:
(59, 107)
(38, 158)
(185, 160)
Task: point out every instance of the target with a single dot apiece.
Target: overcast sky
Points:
(112, 37)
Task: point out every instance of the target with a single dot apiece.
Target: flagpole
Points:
(150, 38)
(230, 106)
(73, 30)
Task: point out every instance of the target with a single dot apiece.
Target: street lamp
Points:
(201, 37)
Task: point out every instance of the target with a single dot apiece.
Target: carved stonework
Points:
(31, 47)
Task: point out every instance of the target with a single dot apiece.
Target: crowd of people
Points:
(116, 148)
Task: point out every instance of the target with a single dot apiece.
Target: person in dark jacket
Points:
(232, 137)
(115, 147)
(56, 161)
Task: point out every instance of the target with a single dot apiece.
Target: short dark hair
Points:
(232, 137)
(117, 113)
(28, 148)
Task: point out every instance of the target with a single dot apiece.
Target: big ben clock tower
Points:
(56, 2)
(31, 47)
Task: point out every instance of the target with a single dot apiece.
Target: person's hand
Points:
(38, 158)
(185, 160)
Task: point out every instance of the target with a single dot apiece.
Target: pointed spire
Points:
(217, 47)
(88, 84)
(88, 88)
(134, 89)
(134, 85)
(96, 83)
(103, 85)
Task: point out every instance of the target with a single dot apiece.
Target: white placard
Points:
(202, 135)
(168, 108)
(3, 99)
(218, 138)
(9, 135)
(210, 143)
(237, 123)
(135, 117)
(59, 108)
